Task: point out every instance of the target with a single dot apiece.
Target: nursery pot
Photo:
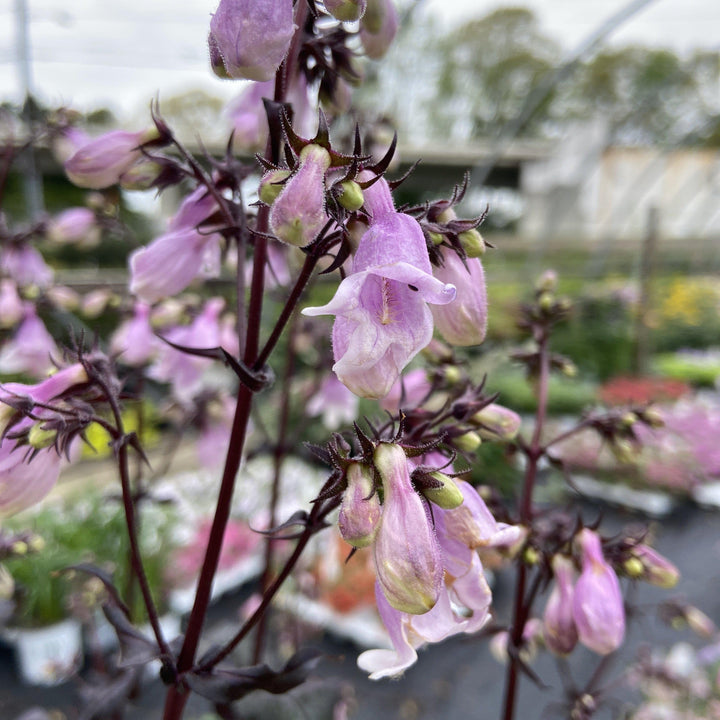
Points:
(49, 655)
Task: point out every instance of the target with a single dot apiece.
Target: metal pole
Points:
(32, 180)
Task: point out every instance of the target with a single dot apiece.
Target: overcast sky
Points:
(91, 53)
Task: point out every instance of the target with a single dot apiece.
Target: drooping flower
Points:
(408, 391)
(496, 422)
(25, 265)
(173, 260)
(100, 163)
(77, 226)
(32, 347)
(298, 213)
(26, 477)
(11, 306)
(378, 27)
(334, 403)
(251, 37)
(597, 603)
(247, 116)
(134, 341)
(561, 635)
(182, 370)
(464, 596)
(463, 322)
(407, 554)
(382, 319)
(360, 510)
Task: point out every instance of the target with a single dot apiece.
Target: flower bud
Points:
(251, 37)
(271, 185)
(448, 496)
(378, 27)
(468, 442)
(407, 553)
(360, 510)
(351, 197)
(473, 243)
(699, 622)
(102, 161)
(496, 422)
(654, 418)
(547, 282)
(298, 213)
(40, 438)
(656, 569)
(598, 607)
(623, 450)
(346, 10)
(140, 176)
(75, 226)
(462, 322)
(561, 635)
(19, 547)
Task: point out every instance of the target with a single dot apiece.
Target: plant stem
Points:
(279, 457)
(521, 606)
(131, 523)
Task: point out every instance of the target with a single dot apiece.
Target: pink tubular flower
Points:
(31, 349)
(463, 322)
(561, 635)
(598, 604)
(378, 27)
(173, 260)
(298, 213)
(360, 511)
(25, 265)
(496, 422)
(247, 116)
(408, 391)
(185, 371)
(100, 163)
(464, 596)
(134, 341)
(407, 554)
(75, 226)
(382, 319)
(251, 37)
(334, 402)
(26, 479)
(11, 306)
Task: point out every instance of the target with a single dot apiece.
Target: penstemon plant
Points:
(399, 275)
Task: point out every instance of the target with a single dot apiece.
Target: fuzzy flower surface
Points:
(463, 322)
(173, 260)
(251, 37)
(382, 319)
(598, 606)
(100, 162)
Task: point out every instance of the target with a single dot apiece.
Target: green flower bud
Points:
(448, 496)
(40, 438)
(473, 243)
(468, 442)
(633, 567)
(271, 185)
(351, 197)
(436, 238)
